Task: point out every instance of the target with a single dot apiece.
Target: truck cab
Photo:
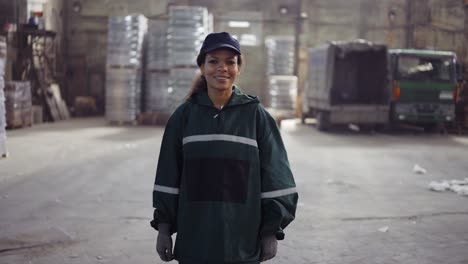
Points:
(424, 87)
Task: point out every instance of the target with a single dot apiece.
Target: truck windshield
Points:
(426, 69)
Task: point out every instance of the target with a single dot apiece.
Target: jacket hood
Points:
(237, 98)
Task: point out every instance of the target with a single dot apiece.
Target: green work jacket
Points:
(223, 180)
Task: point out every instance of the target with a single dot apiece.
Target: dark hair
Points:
(199, 82)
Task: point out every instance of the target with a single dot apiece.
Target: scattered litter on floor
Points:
(354, 127)
(384, 229)
(459, 187)
(418, 169)
(439, 186)
(126, 146)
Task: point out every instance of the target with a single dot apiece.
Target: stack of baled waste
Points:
(124, 67)
(125, 40)
(18, 104)
(280, 55)
(459, 187)
(282, 84)
(157, 53)
(283, 92)
(188, 26)
(180, 81)
(3, 138)
(157, 67)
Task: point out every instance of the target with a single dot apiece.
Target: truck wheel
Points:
(381, 127)
(366, 128)
(430, 128)
(323, 120)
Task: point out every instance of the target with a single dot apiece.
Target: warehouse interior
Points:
(370, 98)
(76, 37)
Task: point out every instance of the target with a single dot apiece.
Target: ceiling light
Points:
(239, 24)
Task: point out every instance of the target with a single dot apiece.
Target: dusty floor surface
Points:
(80, 192)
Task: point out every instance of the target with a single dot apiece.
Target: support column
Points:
(409, 38)
(364, 9)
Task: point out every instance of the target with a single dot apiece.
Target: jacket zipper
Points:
(218, 117)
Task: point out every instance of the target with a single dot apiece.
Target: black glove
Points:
(164, 242)
(269, 245)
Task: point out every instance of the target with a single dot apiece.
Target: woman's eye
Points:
(212, 61)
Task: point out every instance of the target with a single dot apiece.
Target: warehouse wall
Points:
(432, 24)
(429, 24)
(87, 38)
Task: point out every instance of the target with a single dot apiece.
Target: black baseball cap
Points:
(218, 40)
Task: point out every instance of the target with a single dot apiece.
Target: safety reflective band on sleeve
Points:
(166, 189)
(279, 193)
(220, 137)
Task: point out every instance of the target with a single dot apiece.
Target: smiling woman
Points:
(220, 62)
(223, 180)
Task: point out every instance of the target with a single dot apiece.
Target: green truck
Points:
(424, 86)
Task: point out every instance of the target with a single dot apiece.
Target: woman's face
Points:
(220, 69)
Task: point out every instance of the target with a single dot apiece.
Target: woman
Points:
(223, 181)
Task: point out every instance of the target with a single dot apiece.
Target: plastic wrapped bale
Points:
(3, 138)
(18, 104)
(125, 39)
(283, 92)
(123, 94)
(157, 67)
(157, 92)
(180, 81)
(188, 26)
(157, 54)
(280, 55)
(124, 60)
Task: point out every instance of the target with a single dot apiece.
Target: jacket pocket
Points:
(216, 179)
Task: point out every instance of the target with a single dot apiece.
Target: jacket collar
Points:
(237, 98)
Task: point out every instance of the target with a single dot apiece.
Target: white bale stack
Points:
(157, 53)
(282, 84)
(124, 62)
(180, 81)
(188, 27)
(157, 67)
(280, 55)
(125, 40)
(123, 94)
(283, 92)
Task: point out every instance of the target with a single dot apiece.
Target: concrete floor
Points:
(80, 192)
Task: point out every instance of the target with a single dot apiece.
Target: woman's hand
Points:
(269, 246)
(164, 242)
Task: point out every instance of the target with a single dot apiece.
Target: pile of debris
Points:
(460, 187)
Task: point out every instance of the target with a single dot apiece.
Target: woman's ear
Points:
(202, 70)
